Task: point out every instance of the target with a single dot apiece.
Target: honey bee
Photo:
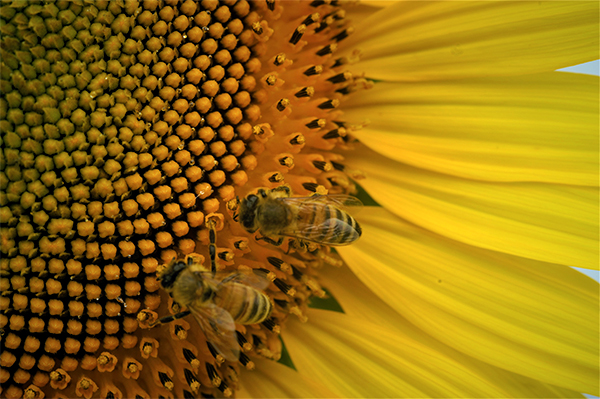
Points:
(319, 219)
(216, 304)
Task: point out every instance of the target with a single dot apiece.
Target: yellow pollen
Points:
(147, 349)
(219, 359)
(182, 334)
(30, 393)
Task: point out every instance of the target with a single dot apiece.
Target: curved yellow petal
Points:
(374, 3)
(364, 9)
(274, 380)
(357, 359)
(532, 128)
(360, 302)
(551, 223)
(536, 319)
(424, 40)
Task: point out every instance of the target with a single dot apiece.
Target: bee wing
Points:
(219, 328)
(330, 229)
(341, 201)
(256, 279)
(320, 233)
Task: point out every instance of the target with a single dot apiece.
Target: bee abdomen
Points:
(255, 309)
(344, 228)
(352, 231)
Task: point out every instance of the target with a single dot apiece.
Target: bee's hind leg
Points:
(168, 319)
(298, 245)
(271, 241)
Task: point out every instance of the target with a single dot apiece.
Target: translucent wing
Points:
(219, 329)
(324, 219)
(326, 233)
(344, 202)
(257, 280)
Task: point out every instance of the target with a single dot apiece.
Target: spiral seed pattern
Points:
(125, 126)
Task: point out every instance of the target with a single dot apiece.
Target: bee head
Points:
(247, 213)
(170, 274)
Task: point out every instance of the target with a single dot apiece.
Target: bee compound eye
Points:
(251, 201)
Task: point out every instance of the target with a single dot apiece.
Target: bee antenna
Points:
(237, 207)
(212, 247)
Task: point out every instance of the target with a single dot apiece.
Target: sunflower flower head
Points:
(130, 129)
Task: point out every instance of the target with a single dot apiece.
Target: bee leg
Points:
(291, 246)
(299, 245)
(168, 319)
(270, 240)
(212, 247)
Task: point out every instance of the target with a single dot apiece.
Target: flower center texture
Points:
(129, 130)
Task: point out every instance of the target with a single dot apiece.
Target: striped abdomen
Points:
(327, 224)
(245, 304)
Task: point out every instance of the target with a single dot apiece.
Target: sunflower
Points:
(132, 129)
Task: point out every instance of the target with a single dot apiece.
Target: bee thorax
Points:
(273, 216)
(187, 288)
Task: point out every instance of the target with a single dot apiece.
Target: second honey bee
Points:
(320, 218)
(217, 304)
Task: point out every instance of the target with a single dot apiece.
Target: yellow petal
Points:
(362, 10)
(536, 319)
(551, 223)
(533, 128)
(359, 359)
(372, 3)
(423, 40)
(274, 380)
(356, 358)
(360, 302)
